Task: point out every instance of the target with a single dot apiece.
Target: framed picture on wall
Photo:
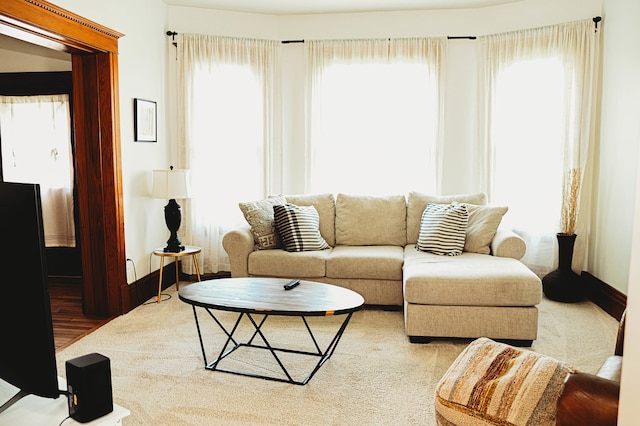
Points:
(145, 115)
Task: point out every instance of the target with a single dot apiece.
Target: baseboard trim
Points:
(611, 300)
(147, 287)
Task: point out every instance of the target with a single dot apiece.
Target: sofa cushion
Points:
(297, 227)
(259, 215)
(470, 279)
(443, 229)
(366, 220)
(326, 207)
(482, 227)
(281, 263)
(375, 262)
(417, 202)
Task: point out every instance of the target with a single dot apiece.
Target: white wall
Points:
(620, 133)
(142, 74)
(616, 247)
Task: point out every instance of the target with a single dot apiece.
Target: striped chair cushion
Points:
(443, 229)
(299, 228)
(493, 383)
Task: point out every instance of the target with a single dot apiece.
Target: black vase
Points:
(564, 285)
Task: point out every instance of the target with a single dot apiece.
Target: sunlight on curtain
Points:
(225, 98)
(35, 135)
(539, 90)
(374, 115)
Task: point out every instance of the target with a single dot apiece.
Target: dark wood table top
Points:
(267, 295)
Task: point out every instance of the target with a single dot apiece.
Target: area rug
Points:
(375, 377)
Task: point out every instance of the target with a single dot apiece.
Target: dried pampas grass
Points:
(570, 193)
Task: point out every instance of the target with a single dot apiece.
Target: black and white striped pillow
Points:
(299, 227)
(443, 229)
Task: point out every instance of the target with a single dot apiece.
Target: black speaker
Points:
(89, 386)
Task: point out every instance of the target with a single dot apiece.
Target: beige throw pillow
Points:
(482, 226)
(259, 215)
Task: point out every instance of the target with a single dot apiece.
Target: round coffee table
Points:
(265, 297)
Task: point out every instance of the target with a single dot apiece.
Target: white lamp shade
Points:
(171, 184)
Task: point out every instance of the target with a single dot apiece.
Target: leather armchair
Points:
(589, 399)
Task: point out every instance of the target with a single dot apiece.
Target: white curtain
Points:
(536, 124)
(373, 116)
(226, 90)
(35, 134)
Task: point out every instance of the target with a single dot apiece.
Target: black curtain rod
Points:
(596, 20)
(448, 37)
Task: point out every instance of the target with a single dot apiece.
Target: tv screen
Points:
(27, 357)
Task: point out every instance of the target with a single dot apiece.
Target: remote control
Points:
(291, 284)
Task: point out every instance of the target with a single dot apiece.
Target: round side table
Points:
(188, 251)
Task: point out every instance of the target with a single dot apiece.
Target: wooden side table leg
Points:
(160, 280)
(177, 274)
(195, 263)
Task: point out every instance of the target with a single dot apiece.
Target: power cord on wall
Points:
(135, 274)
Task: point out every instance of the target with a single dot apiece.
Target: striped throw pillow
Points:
(299, 227)
(443, 229)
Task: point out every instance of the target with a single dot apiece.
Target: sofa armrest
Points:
(588, 400)
(238, 243)
(507, 243)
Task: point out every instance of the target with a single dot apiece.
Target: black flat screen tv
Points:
(27, 356)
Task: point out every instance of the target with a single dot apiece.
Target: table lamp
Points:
(172, 184)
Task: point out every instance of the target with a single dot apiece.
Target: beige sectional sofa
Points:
(484, 292)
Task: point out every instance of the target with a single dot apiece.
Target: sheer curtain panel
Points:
(373, 120)
(537, 124)
(225, 95)
(35, 135)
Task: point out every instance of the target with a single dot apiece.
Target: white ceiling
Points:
(296, 7)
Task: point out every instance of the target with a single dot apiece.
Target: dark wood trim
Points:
(36, 83)
(146, 287)
(611, 300)
(140, 291)
(48, 25)
(97, 130)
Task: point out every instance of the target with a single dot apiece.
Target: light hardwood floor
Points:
(69, 323)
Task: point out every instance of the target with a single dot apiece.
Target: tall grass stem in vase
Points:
(570, 191)
(563, 284)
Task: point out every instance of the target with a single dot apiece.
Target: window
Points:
(528, 142)
(226, 106)
(538, 129)
(374, 116)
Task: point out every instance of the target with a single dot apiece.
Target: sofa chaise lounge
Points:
(483, 292)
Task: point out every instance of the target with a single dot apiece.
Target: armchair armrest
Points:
(238, 243)
(507, 243)
(588, 400)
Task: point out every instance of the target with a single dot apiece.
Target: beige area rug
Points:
(375, 377)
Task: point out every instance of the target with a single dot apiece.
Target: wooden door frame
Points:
(94, 51)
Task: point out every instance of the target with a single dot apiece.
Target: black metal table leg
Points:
(323, 356)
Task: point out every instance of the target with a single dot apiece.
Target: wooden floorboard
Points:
(69, 323)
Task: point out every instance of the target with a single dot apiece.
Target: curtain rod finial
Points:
(597, 19)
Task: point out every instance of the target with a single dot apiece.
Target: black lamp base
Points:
(173, 218)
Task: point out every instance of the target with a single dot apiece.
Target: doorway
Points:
(42, 153)
(95, 104)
